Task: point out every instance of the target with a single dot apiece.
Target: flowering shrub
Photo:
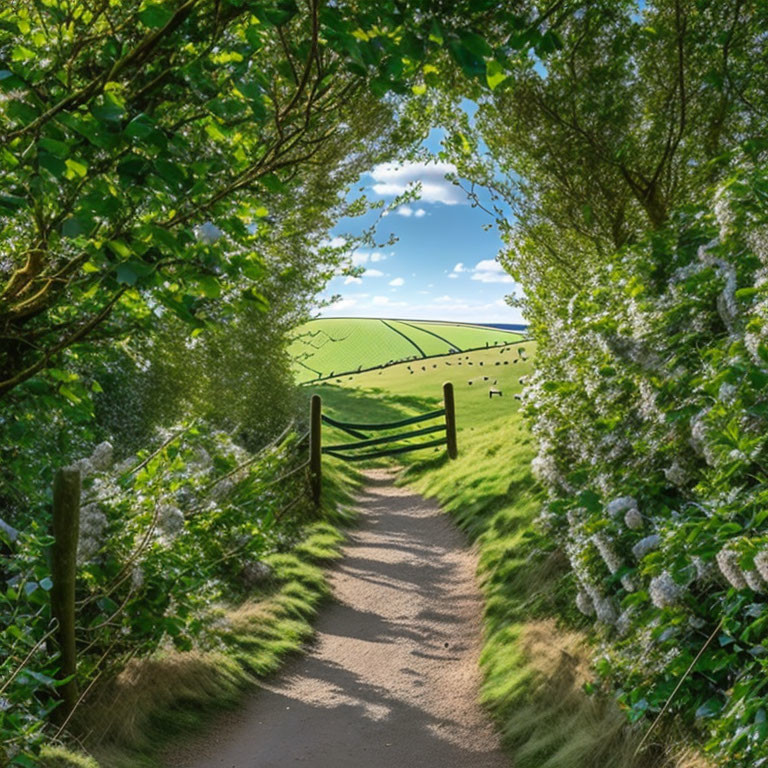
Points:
(164, 536)
(650, 406)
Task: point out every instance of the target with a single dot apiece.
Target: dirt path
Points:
(392, 681)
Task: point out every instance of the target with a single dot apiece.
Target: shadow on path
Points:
(392, 679)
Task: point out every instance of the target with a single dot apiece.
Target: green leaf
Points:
(210, 286)
(12, 202)
(119, 248)
(475, 44)
(57, 148)
(155, 15)
(494, 74)
(70, 394)
(110, 110)
(127, 274)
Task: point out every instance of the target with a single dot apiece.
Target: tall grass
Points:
(129, 719)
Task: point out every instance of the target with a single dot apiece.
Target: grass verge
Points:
(129, 719)
(536, 656)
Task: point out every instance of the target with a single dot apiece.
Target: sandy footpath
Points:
(392, 678)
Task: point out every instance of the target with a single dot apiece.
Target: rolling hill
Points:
(330, 347)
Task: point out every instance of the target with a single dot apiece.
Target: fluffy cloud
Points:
(490, 271)
(393, 179)
(363, 257)
(373, 273)
(457, 270)
(397, 282)
(407, 211)
(350, 280)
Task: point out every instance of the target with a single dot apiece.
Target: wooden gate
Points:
(354, 451)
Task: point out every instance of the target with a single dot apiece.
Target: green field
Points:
(328, 347)
(415, 387)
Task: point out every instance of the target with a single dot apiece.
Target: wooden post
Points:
(315, 447)
(66, 530)
(450, 420)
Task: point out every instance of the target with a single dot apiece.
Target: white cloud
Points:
(363, 257)
(352, 280)
(385, 301)
(404, 210)
(453, 275)
(344, 304)
(398, 281)
(490, 271)
(393, 179)
(373, 273)
(460, 267)
(419, 212)
(335, 242)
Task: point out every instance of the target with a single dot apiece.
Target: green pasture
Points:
(415, 387)
(341, 345)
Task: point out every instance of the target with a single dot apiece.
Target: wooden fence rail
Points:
(348, 451)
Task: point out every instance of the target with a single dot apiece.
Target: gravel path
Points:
(392, 679)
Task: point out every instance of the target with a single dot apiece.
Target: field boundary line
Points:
(431, 333)
(408, 339)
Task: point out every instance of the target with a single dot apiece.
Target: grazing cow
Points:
(506, 362)
(423, 367)
(485, 378)
(493, 391)
(470, 383)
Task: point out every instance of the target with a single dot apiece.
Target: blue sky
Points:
(442, 266)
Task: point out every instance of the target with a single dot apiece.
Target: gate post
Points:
(66, 530)
(450, 420)
(315, 448)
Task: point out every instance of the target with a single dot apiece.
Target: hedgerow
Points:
(166, 537)
(650, 406)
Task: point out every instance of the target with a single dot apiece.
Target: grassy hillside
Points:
(331, 346)
(407, 389)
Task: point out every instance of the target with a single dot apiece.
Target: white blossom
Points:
(101, 458)
(607, 552)
(93, 525)
(170, 520)
(753, 579)
(664, 591)
(728, 562)
(584, 603)
(646, 545)
(761, 563)
(622, 504)
(633, 519)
